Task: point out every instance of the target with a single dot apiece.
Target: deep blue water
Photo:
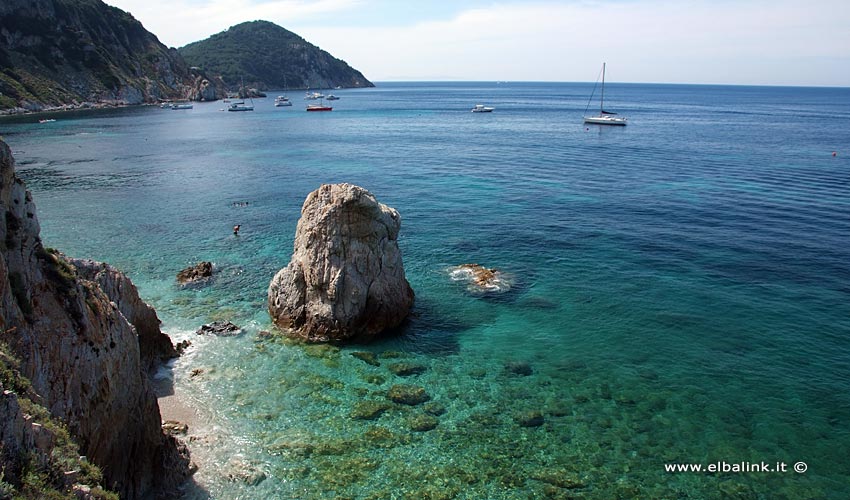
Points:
(681, 295)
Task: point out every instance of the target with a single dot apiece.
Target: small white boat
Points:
(604, 117)
(240, 106)
(319, 107)
(282, 100)
(332, 97)
(314, 95)
(47, 120)
(182, 106)
(480, 108)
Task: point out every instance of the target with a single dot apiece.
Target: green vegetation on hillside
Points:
(59, 52)
(51, 468)
(267, 56)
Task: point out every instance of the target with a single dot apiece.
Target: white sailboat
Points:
(604, 117)
(282, 100)
(240, 105)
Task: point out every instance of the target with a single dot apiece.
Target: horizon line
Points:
(778, 85)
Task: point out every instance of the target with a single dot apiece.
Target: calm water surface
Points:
(682, 285)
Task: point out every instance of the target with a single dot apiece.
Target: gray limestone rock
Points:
(346, 277)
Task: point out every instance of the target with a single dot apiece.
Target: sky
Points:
(746, 42)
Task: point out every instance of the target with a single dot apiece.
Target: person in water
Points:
(236, 230)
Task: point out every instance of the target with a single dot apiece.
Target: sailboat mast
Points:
(602, 98)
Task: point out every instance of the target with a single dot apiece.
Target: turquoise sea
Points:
(681, 285)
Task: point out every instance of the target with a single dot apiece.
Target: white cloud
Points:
(699, 41)
(178, 22)
(777, 42)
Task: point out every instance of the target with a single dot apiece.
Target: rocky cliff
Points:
(80, 352)
(267, 56)
(57, 53)
(154, 346)
(345, 278)
(38, 457)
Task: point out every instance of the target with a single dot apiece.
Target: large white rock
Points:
(346, 277)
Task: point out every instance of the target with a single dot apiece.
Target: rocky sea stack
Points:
(81, 337)
(346, 277)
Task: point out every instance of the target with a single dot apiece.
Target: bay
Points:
(681, 284)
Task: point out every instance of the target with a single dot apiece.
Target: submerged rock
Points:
(345, 278)
(434, 408)
(481, 279)
(369, 410)
(407, 394)
(423, 423)
(195, 274)
(367, 357)
(240, 470)
(520, 368)
(530, 419)
(406, 369)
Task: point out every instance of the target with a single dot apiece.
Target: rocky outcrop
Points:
(80, 352)
(35, 448)
(154, 346)
(219, 328)
(346, 277)
(195, 274)
(203, 87)
(481, 279)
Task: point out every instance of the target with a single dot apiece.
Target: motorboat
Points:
(480, 108)
(240, 106)
(318, 107)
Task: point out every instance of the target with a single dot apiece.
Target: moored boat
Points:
(480, 108)
(240, 106)
(318, 107)
(604, 117)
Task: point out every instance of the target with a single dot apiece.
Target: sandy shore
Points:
(172, 404)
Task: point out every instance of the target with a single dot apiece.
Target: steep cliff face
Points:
(267, 56)
(154, 346)
(80, 352)
(67, 52)
(38, 458)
